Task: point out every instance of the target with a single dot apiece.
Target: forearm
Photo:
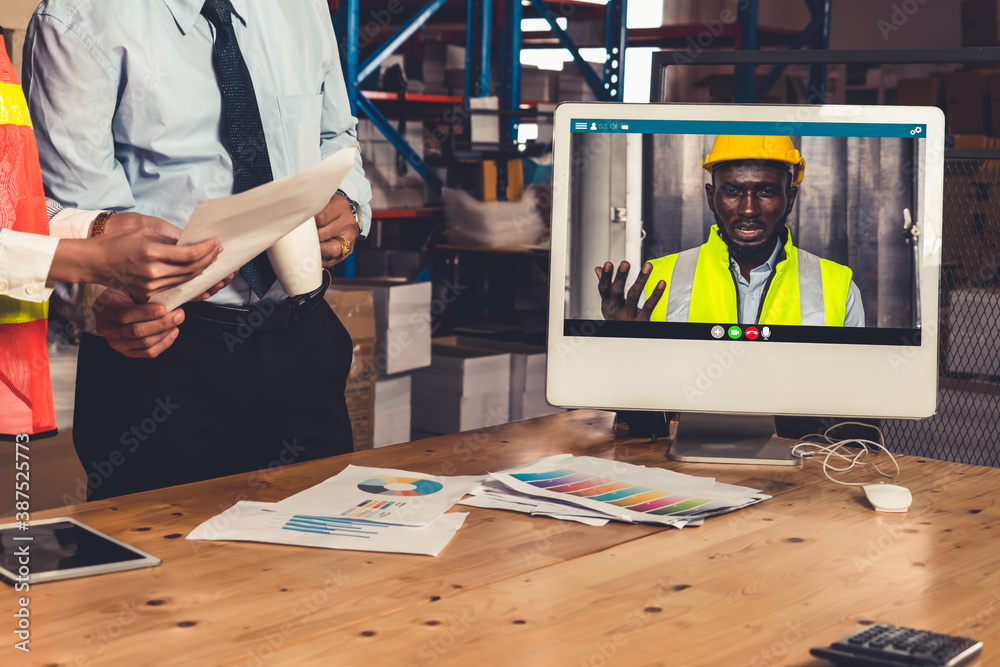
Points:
(76, 261)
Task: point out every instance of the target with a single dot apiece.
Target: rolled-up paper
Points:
(296, 259)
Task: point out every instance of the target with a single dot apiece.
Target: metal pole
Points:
(816, 93)
(397, 140)
(486, 32)
(351, 22)
(615, 42)
(588, 72)
(743, 87)
(404, 33)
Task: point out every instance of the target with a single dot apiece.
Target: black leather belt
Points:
(263, 315)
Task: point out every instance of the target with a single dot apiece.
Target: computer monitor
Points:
(838, 320)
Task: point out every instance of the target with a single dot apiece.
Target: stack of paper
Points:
(462, 390)
(365, 509)
(613, 490)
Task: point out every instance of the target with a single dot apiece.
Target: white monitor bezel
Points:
(880, 381)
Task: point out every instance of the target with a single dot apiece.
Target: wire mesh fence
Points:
(966, 428)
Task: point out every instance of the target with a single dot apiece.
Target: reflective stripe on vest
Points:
(13, 106)
(13, 311)
(805, 289)
(14, 114)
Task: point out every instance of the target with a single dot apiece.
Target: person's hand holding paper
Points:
(251, 222)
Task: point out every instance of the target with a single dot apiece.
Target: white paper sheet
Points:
(491, 494)
(381, 495)
(250, 222)
(249, 521)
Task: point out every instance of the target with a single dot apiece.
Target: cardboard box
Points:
(437, 413)
(923, 92)
(970, 141)
(965, 102)
(486, 182)
(356, 311)
(462, 389)
(787, 89)
(392, 410)
(527, 374)
(402, 321)
(485, 127)
(980, 23)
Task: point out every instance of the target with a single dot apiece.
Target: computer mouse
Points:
(888, 497)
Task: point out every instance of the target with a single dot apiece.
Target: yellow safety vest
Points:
(25, 386)
(804, 289)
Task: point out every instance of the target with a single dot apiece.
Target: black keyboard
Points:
(884, 645)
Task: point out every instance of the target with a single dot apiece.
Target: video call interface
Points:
(791, 232)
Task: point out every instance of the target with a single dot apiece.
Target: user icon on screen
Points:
(749, 271)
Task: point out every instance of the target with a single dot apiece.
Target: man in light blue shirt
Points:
(129, 116)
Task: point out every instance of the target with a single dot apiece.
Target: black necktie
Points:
(242, 130)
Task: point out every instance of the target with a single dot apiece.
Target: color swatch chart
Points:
(330, 526)
(631, 497)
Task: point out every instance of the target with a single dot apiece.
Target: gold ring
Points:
(345, 246)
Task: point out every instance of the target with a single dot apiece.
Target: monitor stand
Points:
(724, 438)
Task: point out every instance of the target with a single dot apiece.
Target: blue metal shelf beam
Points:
(400, 143)
(816, 35)
(588, 72)
(615, 41)
(478, 39)
(509, 85)
(743, 87)
(404, 32)
(816, 93)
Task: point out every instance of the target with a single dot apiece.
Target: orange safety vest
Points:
(25, 385)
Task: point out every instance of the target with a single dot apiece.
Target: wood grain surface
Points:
(756, 587)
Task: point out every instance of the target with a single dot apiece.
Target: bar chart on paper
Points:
(330, 526)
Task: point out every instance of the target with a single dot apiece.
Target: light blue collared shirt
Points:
(126, 104)
(751, 293)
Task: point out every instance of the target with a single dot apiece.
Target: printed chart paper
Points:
(381, 495)
(249, 521)
(491, 494)
(250, 222)
(627, 492)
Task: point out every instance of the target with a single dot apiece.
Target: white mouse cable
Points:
(835, 449)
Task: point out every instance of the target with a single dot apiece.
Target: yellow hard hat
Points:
(729, 147)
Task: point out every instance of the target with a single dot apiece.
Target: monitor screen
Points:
(792, 252)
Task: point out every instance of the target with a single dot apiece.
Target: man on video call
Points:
(748, 271)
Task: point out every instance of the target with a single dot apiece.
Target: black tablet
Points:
(63, 548)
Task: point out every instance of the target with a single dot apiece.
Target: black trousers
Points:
(223, 399)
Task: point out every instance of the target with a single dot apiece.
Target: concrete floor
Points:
(56, 476)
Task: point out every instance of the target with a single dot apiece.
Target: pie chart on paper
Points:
(400, 486)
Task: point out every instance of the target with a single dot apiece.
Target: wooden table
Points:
(757, 587)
